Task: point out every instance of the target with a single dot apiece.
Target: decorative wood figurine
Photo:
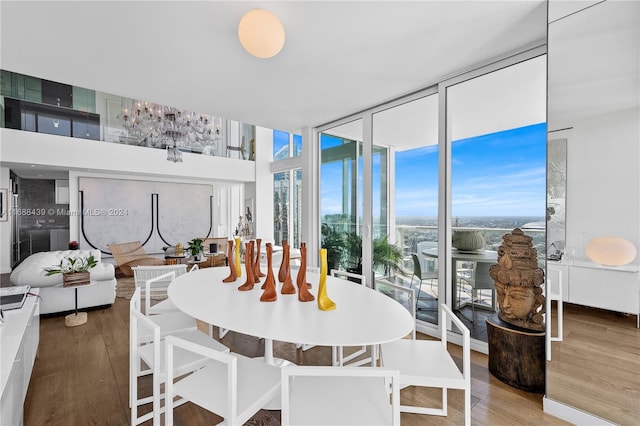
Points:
(324, 303)
(287, 285)
(257, 272)
(248, 263)
(303, 290)
(284, 266)
(232, 265)
(269, 294)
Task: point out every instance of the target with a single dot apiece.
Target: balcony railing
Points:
(409, 236)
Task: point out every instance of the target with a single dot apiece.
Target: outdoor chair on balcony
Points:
(128, 255)
(423, 274)
(477, 277)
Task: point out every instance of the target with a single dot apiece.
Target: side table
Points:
(77, 318)
(173, 260)
(191, 263)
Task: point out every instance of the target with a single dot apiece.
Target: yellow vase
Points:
(324, 303)
(237, 260)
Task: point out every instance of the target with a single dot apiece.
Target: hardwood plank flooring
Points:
(81, 378)
(597, 366)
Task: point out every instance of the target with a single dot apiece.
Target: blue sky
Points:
(498, 174)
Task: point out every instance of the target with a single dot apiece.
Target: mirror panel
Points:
(594, 105)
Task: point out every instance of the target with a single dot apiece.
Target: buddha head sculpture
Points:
(518, 282)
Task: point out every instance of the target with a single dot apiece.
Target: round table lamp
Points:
(611, 251)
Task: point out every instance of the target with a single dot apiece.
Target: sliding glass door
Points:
(497, 134)
(408, 132)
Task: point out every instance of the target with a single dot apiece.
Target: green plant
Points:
(196, 247)
(70, 265)
(333, 241)
(385, 255)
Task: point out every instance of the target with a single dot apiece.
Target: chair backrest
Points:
(143, 273)
(221, 242)
(447, 314)
(417, 269)
(411, 299)
(339, 395)
(351, 276)
(481, 278)
(126, 252)
(224, 397)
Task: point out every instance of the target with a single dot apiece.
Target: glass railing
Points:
(89, 114)
(410, 237)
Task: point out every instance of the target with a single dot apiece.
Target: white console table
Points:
(615, 288)
(19, 337)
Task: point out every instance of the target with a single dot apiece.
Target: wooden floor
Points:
(81, 378)
(596, 367)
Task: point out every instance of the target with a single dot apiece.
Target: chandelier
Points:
(160, 126)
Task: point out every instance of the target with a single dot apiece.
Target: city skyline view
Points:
(501, 174)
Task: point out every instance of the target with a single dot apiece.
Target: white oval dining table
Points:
(362, 317)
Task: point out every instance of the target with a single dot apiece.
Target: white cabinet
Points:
(19, 337)
(606, 287)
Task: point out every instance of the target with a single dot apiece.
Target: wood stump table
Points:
(516, 355)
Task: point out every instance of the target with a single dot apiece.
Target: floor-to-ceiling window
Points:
(341, 205)
(287, 189)
(497, 133)
(409, 131)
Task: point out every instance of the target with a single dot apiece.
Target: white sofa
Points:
(54, 297)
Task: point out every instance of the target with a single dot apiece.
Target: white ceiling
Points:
(339, 57)
(594, 60)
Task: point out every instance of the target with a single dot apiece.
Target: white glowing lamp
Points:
(611, 251)
(261, 33)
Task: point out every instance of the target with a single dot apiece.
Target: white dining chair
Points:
(337, 352)
(326, 395)
(155, 280)
(551, 295)
(428, 363)
(147, 356)
(230, 385)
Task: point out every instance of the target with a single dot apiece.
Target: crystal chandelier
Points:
(160, 126)
(174, 154)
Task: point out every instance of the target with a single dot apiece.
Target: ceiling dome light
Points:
(261, 33)
(611, 251)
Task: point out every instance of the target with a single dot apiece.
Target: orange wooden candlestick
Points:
(248, 263)
(257, 272)
(232, 266)
(303, 290)
(270, 294)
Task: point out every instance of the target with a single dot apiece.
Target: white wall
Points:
(17, 146)
(263, 216)
(603, 180)
(5, 227)
(100, 159)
